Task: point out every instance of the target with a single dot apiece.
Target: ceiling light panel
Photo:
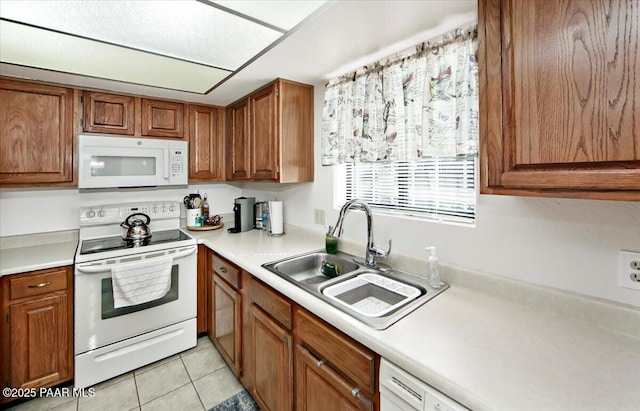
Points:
(283, 14)
(188, 30)
(34, 47)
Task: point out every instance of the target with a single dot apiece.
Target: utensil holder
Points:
(192, 215)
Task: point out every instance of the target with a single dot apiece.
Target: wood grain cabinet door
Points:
(272, 362)
(320, 388)
(265, 134)
(568, 118)
(108, 113)
(206, 154)
(203, 290)
(237, 156)
(36, 134)
(226, 320)
(162, 118)
(39, 342)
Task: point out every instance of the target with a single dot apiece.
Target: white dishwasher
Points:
(401, 391)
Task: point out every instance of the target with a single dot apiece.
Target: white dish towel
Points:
(141, 282)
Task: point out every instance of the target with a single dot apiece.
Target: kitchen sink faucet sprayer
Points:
(372, 253)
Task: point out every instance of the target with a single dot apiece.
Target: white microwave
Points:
(111, 162)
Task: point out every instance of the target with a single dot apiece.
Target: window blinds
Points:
(441, 189)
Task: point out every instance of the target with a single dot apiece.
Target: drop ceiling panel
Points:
(285, 14)
(188, 30)
(34, 47)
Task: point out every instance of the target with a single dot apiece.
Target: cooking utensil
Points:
(192, 201)
(137, 230)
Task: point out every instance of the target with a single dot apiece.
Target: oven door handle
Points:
(91, 269)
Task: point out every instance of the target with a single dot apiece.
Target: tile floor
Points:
(196, 379)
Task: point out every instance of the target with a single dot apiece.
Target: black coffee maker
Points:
(243, 214)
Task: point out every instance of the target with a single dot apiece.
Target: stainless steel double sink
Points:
(376, 296)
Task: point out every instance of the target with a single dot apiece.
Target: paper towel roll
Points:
(276, 218)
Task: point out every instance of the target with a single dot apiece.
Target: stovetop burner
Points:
(99, 245)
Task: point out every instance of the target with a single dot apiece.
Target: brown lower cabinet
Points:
(333, 372)
(320, 387)
(37, 335)
(267, 346)
(225, 310)
(204, 255)
(286, 357)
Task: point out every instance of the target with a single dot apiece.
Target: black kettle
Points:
(137, 230)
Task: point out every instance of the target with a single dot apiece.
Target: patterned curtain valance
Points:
(406, 107)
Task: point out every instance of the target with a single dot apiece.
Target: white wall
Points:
(44, 210)
(562, 243)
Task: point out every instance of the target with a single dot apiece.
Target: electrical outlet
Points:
(318, 216)
(629, 270)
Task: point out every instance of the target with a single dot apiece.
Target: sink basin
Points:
(314, 268)
(376, 297)
(371, 294)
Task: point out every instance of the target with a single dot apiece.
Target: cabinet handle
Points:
(39, 285)
(223, 269)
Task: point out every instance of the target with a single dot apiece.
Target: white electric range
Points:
(110, 341)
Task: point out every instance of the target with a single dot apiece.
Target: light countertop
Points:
(489, 343)
(508, 347)
(19, 254)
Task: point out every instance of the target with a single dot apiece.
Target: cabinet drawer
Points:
(271, 302)
(226, 270)
(347, 356)
(41, 282)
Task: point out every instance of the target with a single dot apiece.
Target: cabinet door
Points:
(320, 388)
(567, 117)
(162, 118)
(36, 134)
(265, 134)
(206, 156)
(226, 312)
(40, 342)
(272, 362)
(238, 151)
(203, 289)
(108, 113)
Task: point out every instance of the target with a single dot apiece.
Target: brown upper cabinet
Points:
(108, 113)
(162, 118)
(206, 139)
(270, 134)
(559, 104)
(133, 116)
(36, 134)
(238, 144)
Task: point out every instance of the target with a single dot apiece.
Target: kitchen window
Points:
(439, 189)
(406, 130)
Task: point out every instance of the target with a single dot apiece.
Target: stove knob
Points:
(154, 209)
(164, 208)
(172, 208)
(91, 214)
(102, 213)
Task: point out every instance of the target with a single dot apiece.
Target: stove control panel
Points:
(117, 213)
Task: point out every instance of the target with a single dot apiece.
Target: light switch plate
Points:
(318, 216)
(629, 270)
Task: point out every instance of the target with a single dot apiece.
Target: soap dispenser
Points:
(434, 269)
